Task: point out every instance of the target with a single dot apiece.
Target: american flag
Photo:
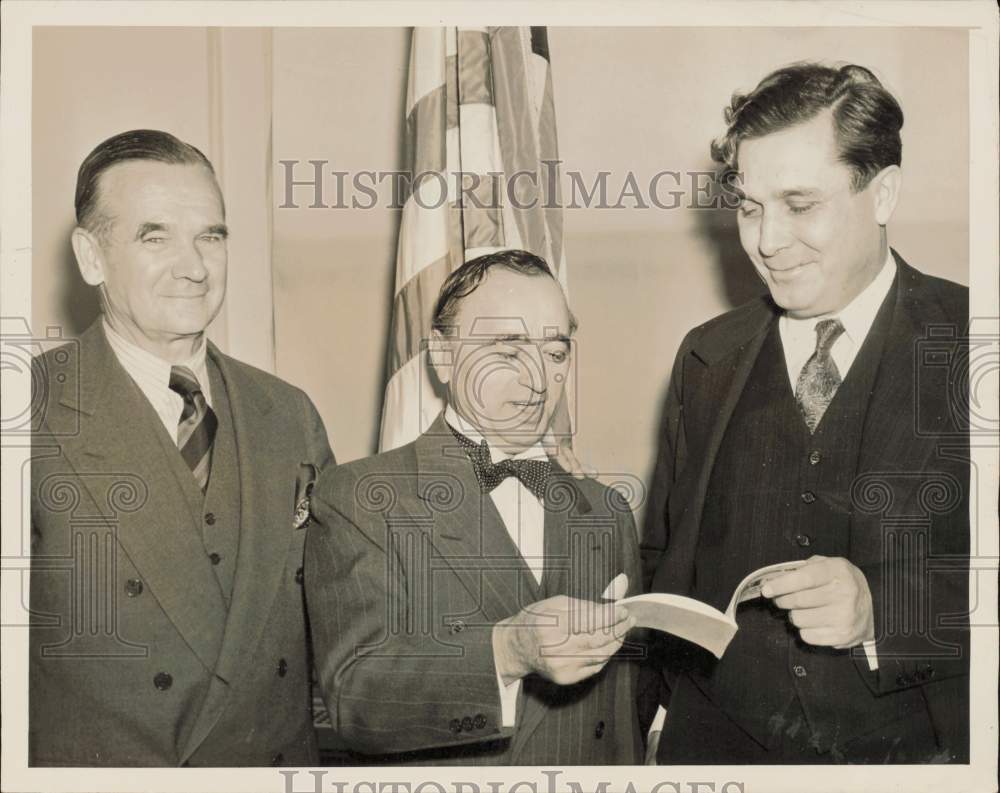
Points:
(483, 162)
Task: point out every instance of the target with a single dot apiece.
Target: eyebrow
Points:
(792, 192)
(799, 192)
(145, 228)
(523, 337)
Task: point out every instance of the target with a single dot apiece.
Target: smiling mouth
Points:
(528, 404)
(786, 272)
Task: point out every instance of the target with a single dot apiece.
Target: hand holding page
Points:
(696, 621)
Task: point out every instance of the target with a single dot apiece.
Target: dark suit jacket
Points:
(409, 567)
(134, 657)
(912, 472)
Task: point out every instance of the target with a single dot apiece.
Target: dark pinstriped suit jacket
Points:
(409, 567)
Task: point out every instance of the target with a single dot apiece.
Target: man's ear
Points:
(440, 352)
(886, 187)
(89, 256)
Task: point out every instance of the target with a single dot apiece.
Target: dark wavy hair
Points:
(467, 278)
(136, 144)
(866, 117)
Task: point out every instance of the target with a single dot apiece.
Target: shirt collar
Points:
(457, 422)
(153, 367)
(858, 315)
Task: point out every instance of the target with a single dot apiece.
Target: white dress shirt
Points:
(152, 374)
(798, 339)
(798, 336)
(523, 515)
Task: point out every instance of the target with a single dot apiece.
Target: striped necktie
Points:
(197, 425)
(820, 378)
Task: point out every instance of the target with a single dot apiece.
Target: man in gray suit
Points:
(454, 584)
(168, 496)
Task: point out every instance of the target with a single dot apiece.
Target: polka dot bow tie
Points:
(533, 474)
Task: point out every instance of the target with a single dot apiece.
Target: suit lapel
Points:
(466, 530)
(719, 364)
(268, 466)
(120, 451)
(891, 431)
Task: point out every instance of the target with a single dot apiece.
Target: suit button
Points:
(455, 725)
(467, 723)
(215, 558)
(300, 576)
(133, 587)
(282, 667)
(479, 722)
(457, 626)
(809, 497)
(814, 457)
(901, 679)
(799, 671)
(599, 730)
(163, 681)
(210, 518)
(278, 759)
(803, 539)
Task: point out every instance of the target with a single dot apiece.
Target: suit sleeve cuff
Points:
(658, 720)
(871, 655)
(508, 701)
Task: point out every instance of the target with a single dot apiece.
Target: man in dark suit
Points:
(808, 425)
(167, 497)
(454, 585)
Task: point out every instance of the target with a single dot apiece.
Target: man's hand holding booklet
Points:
(691, 619)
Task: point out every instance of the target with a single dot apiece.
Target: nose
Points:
(773, 234)
(531, 372)
(190, 264)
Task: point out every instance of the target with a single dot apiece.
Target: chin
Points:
(795, 303)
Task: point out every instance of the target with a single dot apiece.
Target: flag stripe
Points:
(483, 226)
(412, 312)
(475, 77)
(424, 149)
(518, 142)
(428, 51)
(413, 401)
(548, 152)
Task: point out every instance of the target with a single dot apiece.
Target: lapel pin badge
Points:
(302, 515)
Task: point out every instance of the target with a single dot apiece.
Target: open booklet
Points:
(691, 619)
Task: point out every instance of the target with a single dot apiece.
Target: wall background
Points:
(627, 99)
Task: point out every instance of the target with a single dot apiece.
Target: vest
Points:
(215, 514)
(777, 493)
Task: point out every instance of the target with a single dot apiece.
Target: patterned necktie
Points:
(197, 425)
(819, 378)
(533, 474)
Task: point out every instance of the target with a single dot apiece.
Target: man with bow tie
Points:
(455, 585)
(168, 623)
(809, 425)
